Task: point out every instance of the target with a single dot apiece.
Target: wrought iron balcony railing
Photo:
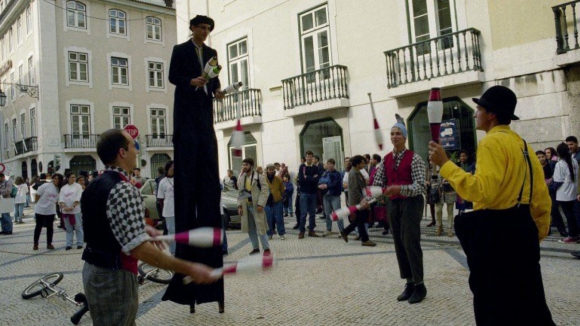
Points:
(19, 147)
(444, 55)
(566, 26)
(81, 140)
(249, 102)
(29, 144)
(316, 86)
(159, 140)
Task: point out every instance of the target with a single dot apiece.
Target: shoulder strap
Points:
(527, 158)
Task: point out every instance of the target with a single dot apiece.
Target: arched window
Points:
(82, 163)
(158, 160)
(117, 22)
(324, 138)
(153, 28)
(76, 14)
(458, 128)
(249, 149)
(33, 167)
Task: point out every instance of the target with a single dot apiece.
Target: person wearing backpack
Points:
(6, 204)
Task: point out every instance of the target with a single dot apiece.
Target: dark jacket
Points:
(308, 177)
(334, 182)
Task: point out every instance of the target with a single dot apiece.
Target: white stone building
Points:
(88, 66)
(308, 66)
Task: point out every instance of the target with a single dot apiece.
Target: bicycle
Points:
(153, 274)
(46, 286)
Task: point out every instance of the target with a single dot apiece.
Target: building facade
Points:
(73, 69)
(308, 67)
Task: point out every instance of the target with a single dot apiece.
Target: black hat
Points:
(499, 100)
(199, 19)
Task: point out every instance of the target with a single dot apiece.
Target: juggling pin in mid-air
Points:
(378, 133)
(238, 138)
(204, 237)
(232, 88)
(248, 265)
(373, 191)
(347, 211)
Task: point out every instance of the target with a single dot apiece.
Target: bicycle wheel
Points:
(155, 274)
(37, 287)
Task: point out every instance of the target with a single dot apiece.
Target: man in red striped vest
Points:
(403, 175)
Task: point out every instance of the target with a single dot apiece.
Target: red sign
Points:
(2, 168)
(132, 131)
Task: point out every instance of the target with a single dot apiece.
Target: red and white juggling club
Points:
(373, 191)
(238, 137)
(378, 134)
(248, 265)
(435, 112)
(347, 211)
(204, 237)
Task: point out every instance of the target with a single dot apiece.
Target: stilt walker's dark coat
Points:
(197, 187)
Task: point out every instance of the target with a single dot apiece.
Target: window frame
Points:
(23, 125)
(121, 115)
(28, 19)
(32, 114)
(76, 14)
(157, 134)
(19, 30)
(31, 71)
(433, 24)
(159, 74)
(235, 62)
(79, 63)
(118, 68)
(81, 134)
(153, 25)
(315, 32)
(118, 20)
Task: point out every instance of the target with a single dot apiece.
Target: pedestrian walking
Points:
(511, 216)
(308, 175)
(166, 198)
(20, 199)
(69, 202)
(356, 187)
(566, 186)
(45, 209)
(330, 184)
(274, 206)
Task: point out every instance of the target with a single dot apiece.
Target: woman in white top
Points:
(565, 183)
(45, 209)
(166, 197)
(20, 199)
(69, 202)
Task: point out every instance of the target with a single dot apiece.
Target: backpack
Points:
(14, 191)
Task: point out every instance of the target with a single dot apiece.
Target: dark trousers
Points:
(504, 264)
(557, 220)
(568, 209)
(297, 208)
(359, 222)
(405, 216)
(44, 221)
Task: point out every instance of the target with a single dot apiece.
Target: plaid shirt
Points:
(125, 212)
(417, 188)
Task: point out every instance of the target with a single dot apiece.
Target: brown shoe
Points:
(312, 234)
(35, 246)
(369, 243)
(301, 235)
(51, 247)
(439, 231)
(450, 233)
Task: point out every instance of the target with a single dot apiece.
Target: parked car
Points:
(229, 203)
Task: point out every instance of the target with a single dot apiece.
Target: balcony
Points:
(29, 144)
(76, 141)
(455, 59)
(159, 140)
(249, 102)
(566, 25)
(316, 91)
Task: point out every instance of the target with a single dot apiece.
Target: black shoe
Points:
(285, 215)
(575, 254)
(255, 251)
(409, 289)
(419, 294)
(385, 232)
(68, 248)
(344, 236)
(6, 232)
(79, 247)
(296, 227)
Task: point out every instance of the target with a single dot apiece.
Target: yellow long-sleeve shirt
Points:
(499, 176)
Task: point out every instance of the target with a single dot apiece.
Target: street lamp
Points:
(30, 90)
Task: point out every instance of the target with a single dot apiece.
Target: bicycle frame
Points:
(58, 291)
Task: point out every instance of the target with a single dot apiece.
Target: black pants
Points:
(568, 209)
(405, 216)
(359, 222)
(44, 221)
(503, 254)
(297, 207)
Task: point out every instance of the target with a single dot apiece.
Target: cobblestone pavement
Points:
(318, 281)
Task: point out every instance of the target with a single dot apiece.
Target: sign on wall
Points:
(449, 135)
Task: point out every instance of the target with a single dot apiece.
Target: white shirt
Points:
(568, 190)
(166, 192)
(345, 181)
(21, 195)
(69, 194)
(46, 204)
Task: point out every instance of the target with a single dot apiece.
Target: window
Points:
(76, 14)
(314, 37)
(117, 22)
(153, 28)
(6, 133)
(238, 61)
(430, 19)
(14, 129)
(23, 125)
(121, 117)
(158, 123)
(21, 75)
(10, 48)
(31, 73)
(80, 120)
(78, 66)
(19, 30)
(155, 74)
(12, 89)
(32, 122)
(28, 20)
(119, 71)
(2, 49)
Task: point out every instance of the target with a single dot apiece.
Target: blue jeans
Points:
(307, 207)
(77, 229)
(170, 225)
(18, 212)
(274, 215)
(331, 204)
(6, 222)
(27, 199)
(253, 231)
